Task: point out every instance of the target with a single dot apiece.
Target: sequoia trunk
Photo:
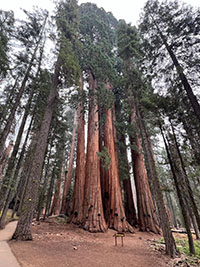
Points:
(114, 213)
(147, 218)
(93, 216)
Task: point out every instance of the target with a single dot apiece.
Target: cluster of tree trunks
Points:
(87, 206)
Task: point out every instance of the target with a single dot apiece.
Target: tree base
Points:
(23, 237)
(99, 227)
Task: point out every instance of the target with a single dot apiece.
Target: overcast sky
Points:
(121, 9)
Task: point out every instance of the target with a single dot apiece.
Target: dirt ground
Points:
(65, 245)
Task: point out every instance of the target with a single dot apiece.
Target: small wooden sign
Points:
(119, 234)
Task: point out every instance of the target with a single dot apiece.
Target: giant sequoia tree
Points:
(129, 51)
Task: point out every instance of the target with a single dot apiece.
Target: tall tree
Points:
(67, 26)
(171, 249)
(180, 185)
(36, 28)
(114, 214)
(129, 50)
(93, 215)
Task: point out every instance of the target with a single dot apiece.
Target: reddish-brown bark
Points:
(147, 218)
(114, 213)
(78, 194)
(93, 219)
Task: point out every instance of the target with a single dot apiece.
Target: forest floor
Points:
(57, 244)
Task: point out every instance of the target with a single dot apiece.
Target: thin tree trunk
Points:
(49, 195)
(195, 226)
(78, 194)
(9, 102)
(21, 183)
(93, 216)
(171, 249)
(9, 181)
(192, 98)
(68, 176)
(10, 119)
(23, 230)
(171, 208)
(172, 157)
(5, 157)
(187, 182)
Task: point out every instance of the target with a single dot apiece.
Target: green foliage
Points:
(67, 20)
(105, 158)
(70, 69)
(105, 97)
(97, 35)
(6, 26)
(182, 245)
(177, 25)
(128, 41)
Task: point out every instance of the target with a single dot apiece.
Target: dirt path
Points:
(7, 259)
(64, 245)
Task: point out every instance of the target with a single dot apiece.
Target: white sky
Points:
(121, 9)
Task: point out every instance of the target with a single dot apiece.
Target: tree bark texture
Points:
(93, 215)
(21, 183)
(180, 187)
(8, 181)
(23, 230)
(147, 218)
(114, 213)
(10, 119)
(186, 181)
(161, 205)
